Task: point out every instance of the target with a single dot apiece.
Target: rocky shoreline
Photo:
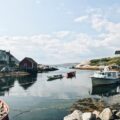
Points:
(93, 109)
(87, 67)
(14, 74)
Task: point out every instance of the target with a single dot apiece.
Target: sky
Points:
(60, 31)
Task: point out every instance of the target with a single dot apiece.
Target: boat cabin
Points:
(108, 75)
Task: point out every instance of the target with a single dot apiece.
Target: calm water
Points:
(35, 98)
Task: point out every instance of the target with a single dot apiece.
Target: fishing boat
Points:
(4, 110)
(71, 74)
(105, 76)
(55, 77)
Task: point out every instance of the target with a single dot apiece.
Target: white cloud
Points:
(113, 27)
(66, 46)
(98, 22)
(106, 41)
(81, 19)
(47, 45)
(61, 34)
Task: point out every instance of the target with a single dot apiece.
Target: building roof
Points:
(30, 59)
(117, 52)
(10, 55)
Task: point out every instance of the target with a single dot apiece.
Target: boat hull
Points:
(6, 111)
(54, 77)
(71, 74)
(103, 81)
(50, 79)
(6, 118)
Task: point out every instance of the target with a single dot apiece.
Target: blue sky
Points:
(60, 31)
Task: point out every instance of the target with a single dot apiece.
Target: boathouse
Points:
(28, 65)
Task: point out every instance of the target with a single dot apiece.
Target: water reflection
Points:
(59, 89)
(106, 90)
(27, 81)
(7, 83)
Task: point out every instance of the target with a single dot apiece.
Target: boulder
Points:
(118, 114)
(88, 105)
(105, 114)
(114, 116)
(76, 115)
(96, 113)
(114, 111)
(86, 115)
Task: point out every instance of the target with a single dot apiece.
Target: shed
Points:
(28, 64)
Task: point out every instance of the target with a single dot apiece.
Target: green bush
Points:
(105, 61)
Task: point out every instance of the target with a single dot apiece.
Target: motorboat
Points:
(105, 76)
(4, 110)
(55, 77)
(71, 74)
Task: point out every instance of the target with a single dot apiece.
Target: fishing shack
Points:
(28, 65)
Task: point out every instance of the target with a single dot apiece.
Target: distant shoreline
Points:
(88, 68)
(96, 64)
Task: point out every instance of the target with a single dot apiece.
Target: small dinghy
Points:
(4, 110)
(71, 74)
(54, 77)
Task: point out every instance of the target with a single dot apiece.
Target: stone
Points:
(96, 113)
(118, 114)
(76, 115)
(114, 111)
(105, 114)
(86, 115)
(114, 116)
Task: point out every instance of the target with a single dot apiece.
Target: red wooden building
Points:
(29, 65)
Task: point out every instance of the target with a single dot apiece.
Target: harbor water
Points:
(35, 98)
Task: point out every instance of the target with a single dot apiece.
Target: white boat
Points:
(105, 76)
(54, 77)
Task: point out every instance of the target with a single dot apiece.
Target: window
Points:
(109, 74)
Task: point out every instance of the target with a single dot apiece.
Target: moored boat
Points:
(4, 110)
(71, 74)
(105, 77)
(55, 77)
